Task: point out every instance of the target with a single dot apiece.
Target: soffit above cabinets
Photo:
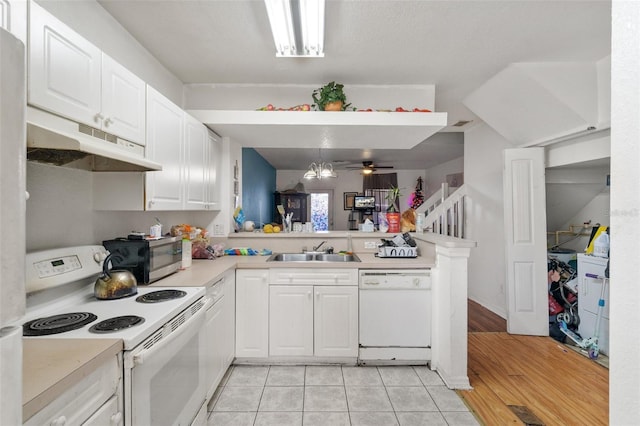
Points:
(323, 129)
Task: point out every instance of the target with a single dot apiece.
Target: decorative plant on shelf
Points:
(330, 97)
(392, 198)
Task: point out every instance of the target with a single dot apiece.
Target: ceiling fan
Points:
(368, 167)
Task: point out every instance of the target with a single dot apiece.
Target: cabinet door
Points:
(336, 321)
(252, 313)
(195, 163)
(123, 101)
(13, 18)
(214, 170)
(64, 69)
(229, 319)
(164, 189)
(290, 320)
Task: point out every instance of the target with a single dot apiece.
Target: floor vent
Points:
(527, 417)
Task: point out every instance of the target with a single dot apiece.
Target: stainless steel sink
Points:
(291, 257)
(313, 257)
(336, 257)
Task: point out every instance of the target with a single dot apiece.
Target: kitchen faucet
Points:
(315, 248)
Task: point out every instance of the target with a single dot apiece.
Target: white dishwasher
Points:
(395, 316)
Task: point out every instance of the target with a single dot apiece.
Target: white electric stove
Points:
(164, 340)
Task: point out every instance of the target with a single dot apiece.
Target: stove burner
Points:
(57, 323)
(160, 296)
(116, 324)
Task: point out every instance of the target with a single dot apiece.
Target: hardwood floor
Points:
(480, 319)
(557, 385)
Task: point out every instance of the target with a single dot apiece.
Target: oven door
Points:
(165, 381)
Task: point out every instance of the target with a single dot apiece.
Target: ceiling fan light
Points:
(367, 171)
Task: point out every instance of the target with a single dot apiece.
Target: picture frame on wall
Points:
(349, 198)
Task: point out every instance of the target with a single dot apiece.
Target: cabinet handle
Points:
(98, 117)
(60, 421)
(317, 294)
(309, 293)
(116, 419)
(108, 121)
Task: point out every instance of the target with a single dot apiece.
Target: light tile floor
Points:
(335, 396)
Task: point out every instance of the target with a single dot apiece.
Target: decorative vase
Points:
(393, 218)
(333, 106)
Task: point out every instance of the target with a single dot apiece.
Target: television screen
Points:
(364, 202)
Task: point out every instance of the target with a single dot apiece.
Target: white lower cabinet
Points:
(252, 313)
(313, 321)
(319, 320)
(290, 320)
(95, 400)
(335, 320)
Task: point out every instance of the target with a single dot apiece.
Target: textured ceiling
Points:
(456, 45)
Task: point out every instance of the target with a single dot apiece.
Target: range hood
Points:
(55, 140)
(545, 102)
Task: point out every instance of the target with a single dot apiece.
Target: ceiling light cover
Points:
(297, 27)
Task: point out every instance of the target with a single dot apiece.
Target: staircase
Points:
(444, 211)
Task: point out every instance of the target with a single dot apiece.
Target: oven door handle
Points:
(190, 328)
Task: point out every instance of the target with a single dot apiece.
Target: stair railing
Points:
(444, 215)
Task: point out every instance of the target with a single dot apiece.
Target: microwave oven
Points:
(148, 260)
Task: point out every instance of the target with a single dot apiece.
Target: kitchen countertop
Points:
(204, 271)
(52, 366)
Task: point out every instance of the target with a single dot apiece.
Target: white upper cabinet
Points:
(196, 152)
(71, 77)
(214, 172)
(13, 17)
(164, 189)
(190, 156)
(123, 101)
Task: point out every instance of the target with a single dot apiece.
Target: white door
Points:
(252, 313)
(525, 241)
(195, 163)
(64, 69)
(290, 320)
(123, 102)
(164, 189)
(336, 321)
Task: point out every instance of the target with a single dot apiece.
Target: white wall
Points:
(437, 175)
(485, 217)
(95, 24)
(347, 181)
(624, 375)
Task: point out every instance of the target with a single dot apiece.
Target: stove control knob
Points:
(99, 256)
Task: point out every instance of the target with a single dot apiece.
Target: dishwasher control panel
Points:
(395, 279)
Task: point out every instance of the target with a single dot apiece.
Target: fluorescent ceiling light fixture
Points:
(297, 27)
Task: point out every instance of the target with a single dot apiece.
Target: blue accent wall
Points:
(258, 186)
